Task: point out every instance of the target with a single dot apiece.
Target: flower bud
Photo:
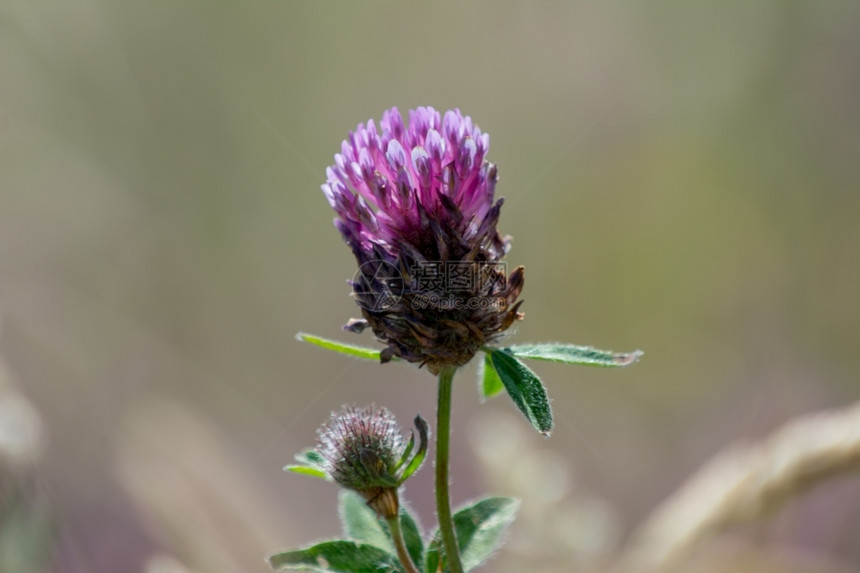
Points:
(363, 449)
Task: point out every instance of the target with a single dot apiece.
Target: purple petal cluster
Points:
(388, 186)
(415, 198)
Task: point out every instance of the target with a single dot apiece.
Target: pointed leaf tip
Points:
(629, 358)
(573, 354)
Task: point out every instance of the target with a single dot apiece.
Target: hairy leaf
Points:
(572, 354)
(337, 556)
(525, 389)
(480, 528)
(361, 524)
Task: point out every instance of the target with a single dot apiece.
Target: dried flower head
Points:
(416, 205)
(363, 449)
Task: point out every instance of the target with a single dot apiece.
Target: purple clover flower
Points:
(416, 205)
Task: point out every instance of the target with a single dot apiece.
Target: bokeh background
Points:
(680, 179)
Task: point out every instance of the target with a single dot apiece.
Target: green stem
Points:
(400, 545)
(443, 502)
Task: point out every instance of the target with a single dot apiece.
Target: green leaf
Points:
(310, 457)
(406, 452)
(308, 471)
(525, 389)
(412, 535)
(336, 556)
(479, 528)
(310, 464)
(422, 449)
(489, 383)
(571, 354)
(361, 524)
(348, 349)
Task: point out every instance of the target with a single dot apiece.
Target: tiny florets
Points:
(362, 449)
(416, 205)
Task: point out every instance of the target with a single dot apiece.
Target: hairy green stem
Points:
(400, 545)
(443, 502)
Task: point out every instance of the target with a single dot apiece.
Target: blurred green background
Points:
(680, 179)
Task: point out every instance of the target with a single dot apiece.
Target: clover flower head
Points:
(363, 449)
(416, 205)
